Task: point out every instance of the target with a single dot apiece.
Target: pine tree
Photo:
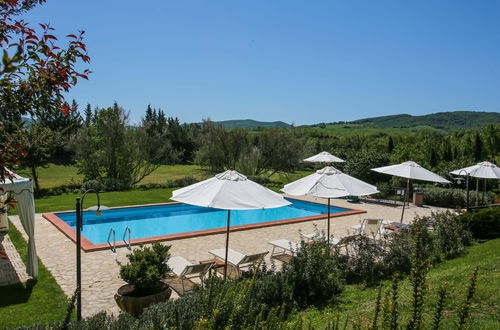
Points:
(88, 115)
(433, 158)
(390, 144)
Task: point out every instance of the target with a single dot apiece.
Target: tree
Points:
(478, 147)
(39, 143)
(390, 144)
(88, 115)
(36, 74)
(112, 152)
(281, 151)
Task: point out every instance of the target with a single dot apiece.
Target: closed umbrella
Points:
(410, 170)
(329, 183)
(323, 157)
(229, 190)
(483, 170)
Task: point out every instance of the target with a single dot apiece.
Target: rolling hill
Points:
(440, 120)
(250, 123)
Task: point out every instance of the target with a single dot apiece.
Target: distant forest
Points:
(105, 147)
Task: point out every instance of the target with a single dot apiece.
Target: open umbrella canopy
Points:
(229, 190)
(329, 183)
(484, 170)
(324, 157)
(411, 170)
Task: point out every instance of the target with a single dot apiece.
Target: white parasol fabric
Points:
(324, 157)
(229, 190)
(484, 170)
(411, 170)
(329, 183)
(22, 188)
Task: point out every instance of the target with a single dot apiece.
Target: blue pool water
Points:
(149, 221)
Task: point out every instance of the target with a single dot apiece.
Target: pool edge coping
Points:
(88, 246)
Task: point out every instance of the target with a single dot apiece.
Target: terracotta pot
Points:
(136, 304)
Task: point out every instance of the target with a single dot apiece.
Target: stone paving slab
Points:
(100, 271)
(12, 268)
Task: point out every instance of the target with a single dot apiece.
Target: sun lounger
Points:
(239, 260)
(288, 248)
(316, 236)
(184, 271)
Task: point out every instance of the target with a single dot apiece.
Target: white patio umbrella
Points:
(323, 157)
(483, 170)
(410, 170)
(329, 183)
(229, 190)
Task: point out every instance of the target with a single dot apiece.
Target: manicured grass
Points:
(171, 172)
(54, 175)
(57, 175)
(358, 302)
(114, 198)
(34, 302)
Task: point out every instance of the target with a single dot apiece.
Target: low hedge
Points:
(454, 198)
(485, 223)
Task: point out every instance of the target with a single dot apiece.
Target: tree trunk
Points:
(35, 178)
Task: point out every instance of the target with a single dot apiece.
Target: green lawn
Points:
(357, 302)
(114, 198)
(31, 303)
(57, 175)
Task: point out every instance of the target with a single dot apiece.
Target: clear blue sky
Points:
(296, 61)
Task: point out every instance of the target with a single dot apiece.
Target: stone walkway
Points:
(12, 268)
(100, 271)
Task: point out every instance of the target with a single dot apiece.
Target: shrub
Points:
(448, 197)
(485, 223)
(181, 182)
(451, 234)
(260, 179)
(92, 184)
(313, 275)
(147, 266)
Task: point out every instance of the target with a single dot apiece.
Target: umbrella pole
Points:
(484, 191)
(477, 191)
(227, 241)
(328, 227)
(406, 198)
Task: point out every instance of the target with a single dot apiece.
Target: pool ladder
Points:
(112, 232)
(127, 243)
(113, 246)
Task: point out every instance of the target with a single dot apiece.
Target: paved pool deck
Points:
(100, 270)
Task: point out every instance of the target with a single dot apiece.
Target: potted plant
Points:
(145, 272)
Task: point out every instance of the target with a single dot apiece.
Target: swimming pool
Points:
(177, 220)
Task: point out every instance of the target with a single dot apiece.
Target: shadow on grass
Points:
(16, 293)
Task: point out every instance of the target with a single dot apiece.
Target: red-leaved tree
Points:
(35, 71)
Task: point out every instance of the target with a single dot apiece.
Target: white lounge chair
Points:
(285, 246)
(316, 236)
(185, 271)
(239, 260)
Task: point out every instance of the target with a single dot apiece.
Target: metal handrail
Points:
(113, 247)
(127, 244)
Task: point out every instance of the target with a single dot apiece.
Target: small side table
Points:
(217, 264)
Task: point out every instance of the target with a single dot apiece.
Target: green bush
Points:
(147, 266)
(449, 197)
(485, 223)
